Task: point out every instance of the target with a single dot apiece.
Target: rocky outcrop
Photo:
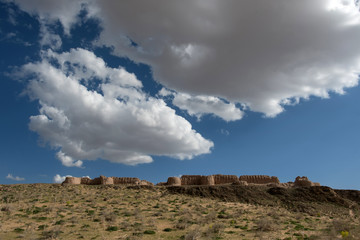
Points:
(145, 183)
(259, 179)
(304, 182)
(207, 180)
(224, 179)
(274, 185)
(72, 180)
(240, 183)
(173, 181)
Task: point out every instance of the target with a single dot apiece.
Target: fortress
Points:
(102, 180)
(187, 180)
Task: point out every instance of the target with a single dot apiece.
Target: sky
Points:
(153, 89)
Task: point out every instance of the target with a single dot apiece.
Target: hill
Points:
(53, 211)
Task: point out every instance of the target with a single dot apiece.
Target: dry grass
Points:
(51, 211)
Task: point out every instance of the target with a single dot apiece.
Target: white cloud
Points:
(48, 38)
(67, 160)
(224, 132)
(201, 105)
(113, 120)
(259, 53)
(10, 176)
(65, 11)
(59, 179)
(262, 54)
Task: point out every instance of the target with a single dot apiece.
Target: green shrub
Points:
(149, 232)
(18, 230)
(90, 212)
(36, 210)
(112, 228)
(60, 222)
(42, 227)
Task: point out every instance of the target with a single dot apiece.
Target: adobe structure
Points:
(188, 180)
(304, 182)
(102, 180)
(259, 179)
(243, 180)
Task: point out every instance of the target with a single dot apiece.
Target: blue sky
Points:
(88, 89)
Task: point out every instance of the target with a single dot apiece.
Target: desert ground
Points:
(53, 211)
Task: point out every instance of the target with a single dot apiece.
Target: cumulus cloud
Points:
(90, 111)
(65, 11)
(48, 38)
(263, 54)
(10, 176)
(201, 105)
(59, 179)
(68, 161)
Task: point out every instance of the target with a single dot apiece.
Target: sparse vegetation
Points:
(52, 211)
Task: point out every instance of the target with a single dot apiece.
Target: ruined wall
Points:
(304, 182)
(72, 180)
(191, 180)
(194, 180)
(102, 180)
(224, 179)
(207, 180)
(259, 179)
(106, 180)
(173, 181)
(85, 180)
(126, 180)
(95, 181)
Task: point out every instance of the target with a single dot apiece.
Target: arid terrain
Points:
(53, 211)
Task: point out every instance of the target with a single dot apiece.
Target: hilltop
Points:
(128, 211)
